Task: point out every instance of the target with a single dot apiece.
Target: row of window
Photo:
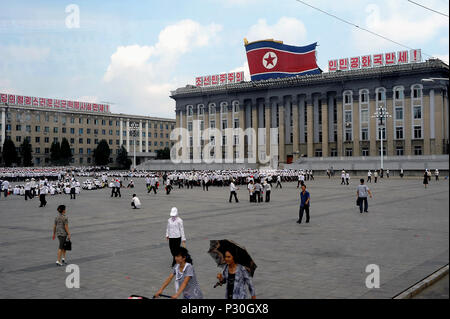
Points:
(80, 131)
(380, 94)
(399, 150)
(72, 120)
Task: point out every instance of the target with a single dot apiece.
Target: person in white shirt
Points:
(233, 189)
(436, 174)
(347, 177)
(43, 190)
(152, 185)
(369, 176)
(168, 186)
(343, 178)
(279, 181)
(175, 233)
(267, 189)
(28, 190)
(135, 202)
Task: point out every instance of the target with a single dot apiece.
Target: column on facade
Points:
(295, 129)
(407, 121)
(127, 129)
(324, 126)
(196, 151)
(146, 136)
(205, 126)
(355, 126)
(340, 126)
(140, 136)
(310, 123)
(268, 125)
(330, 109)
(373, 149)
(217, 139)
(185, 155)
(255, 126)
(426, 123)
(230, 139)
(281, 132)
(437, 99)
(3, 127)
(389, 126)
(444, 100)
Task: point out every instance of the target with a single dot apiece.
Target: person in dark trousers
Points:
(267, 189)
(279, 181)
(175, 233)
(43, 190)
(401, 173)
(233, 192)
(304, 204)
(361, 194)
(258, 189)
(425, 179)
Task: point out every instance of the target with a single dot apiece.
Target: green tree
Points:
(66, 153)
(101, 153)
(122, 158)
(9, 153)
(55, 153)
(25, 153)
(163, 154)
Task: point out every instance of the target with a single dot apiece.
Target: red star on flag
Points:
(269, 59)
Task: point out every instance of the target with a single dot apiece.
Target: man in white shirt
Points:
(436, 174)
(175, 233)
(343, 178)
(135, 202)
(5, 188)
(267, 189)
(369, 177)
(43, 190)
(233, 189)
(347, 177)
(28, 189)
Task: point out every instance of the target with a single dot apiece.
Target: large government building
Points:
(44, 123)
(330, 114)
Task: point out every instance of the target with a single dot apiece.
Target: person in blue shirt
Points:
(304, 204)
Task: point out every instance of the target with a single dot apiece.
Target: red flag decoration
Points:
(268, 59)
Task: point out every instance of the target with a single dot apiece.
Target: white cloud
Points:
(139, 78)
(289, 30)
(402, 24)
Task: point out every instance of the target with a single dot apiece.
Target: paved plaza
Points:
(121, 251)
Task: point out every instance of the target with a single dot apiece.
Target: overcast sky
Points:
(132, 53)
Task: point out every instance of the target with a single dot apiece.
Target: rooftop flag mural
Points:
(269, 59)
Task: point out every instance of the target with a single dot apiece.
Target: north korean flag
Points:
(269, 59)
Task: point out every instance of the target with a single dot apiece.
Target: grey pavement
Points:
(121, 251)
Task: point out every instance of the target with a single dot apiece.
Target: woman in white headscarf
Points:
(175, 233)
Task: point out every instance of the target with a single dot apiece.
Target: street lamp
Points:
(381, 114)
(134, 129)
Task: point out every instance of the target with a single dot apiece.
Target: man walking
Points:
(233, 189)
(375, 175)
(369, 177)
(343, 178)
(304, 204)
(279, 181)
(436, 174)
(361, 194)
(267, 189)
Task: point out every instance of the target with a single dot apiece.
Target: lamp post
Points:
(134, 129)
(381, 114)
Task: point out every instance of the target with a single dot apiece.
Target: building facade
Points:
(331, 114)
(84, 130)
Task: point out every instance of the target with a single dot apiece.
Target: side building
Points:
(328, 115)
(84, 130)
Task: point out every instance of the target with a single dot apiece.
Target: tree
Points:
(66, 153)
(163, 154)
(55, 153)
(101, 153)
(9, 153)
(25, 153)
(122, 158)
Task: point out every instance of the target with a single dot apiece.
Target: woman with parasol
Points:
(238, 270)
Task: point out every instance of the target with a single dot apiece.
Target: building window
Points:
(64, 130)
(46, 139)
(55, 130)
(46, 150)
(365, 116)
(348, 98)
(46, 129)
(18, 127)
(37, 139)
(80, 131)
(417, 112)
(72, 130)
(80, 151)
(398, 94)
(348, 134)
(417, 92)
(333, 152)
(364, 96)
(190, 110)
(37, 129)
(72, 120)
(417, 132)
(80, 141)
(88, 121)
(224, 124)
(399, 113)
(349, 152)
(399, 133)
(348, 116)
(365, 152)
(417, 150)
(364, 134)
(384, 151)
(88, 141)
(318, 153)
(399, 150)
(382, 132)
(18, 138)
(55, 119)
(95, 131)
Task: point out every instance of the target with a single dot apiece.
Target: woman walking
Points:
(185, 279)
(61, 229)
(236, 278)
(175, 233)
